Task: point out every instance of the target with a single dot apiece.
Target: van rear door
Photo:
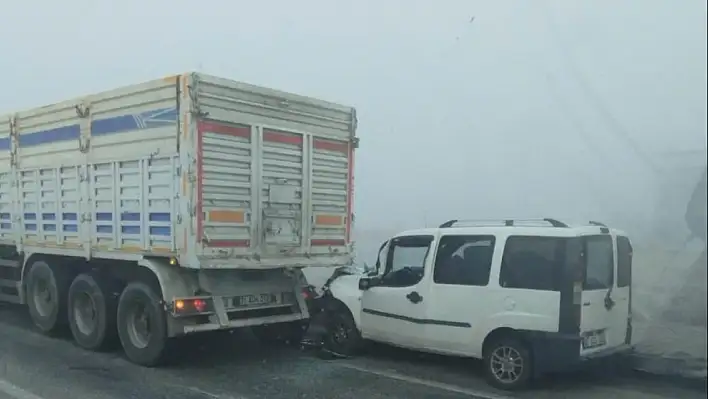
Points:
(623, 289)
(603, 320)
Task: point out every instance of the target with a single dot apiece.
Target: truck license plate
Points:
(254, 300)
(594, 340)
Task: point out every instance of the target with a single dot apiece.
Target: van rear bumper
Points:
(554, 352)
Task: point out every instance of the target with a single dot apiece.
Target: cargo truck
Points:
(183, 205)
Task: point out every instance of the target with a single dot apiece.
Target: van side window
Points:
(624, 262)
(464, 260)
(532, 263)
(599, 262)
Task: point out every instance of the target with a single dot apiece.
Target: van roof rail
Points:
(595, 223)
(499, 222)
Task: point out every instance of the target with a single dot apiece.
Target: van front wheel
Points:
(342, 336)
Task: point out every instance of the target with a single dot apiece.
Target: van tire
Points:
(140, 304)
(504, 355)
(46, 294)
(100, 332)
(342, 336)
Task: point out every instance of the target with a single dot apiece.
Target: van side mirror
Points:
(367, 282)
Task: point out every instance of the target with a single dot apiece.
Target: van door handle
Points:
(587, 304)
(414, 297)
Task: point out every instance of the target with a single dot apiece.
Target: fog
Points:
(578, 110)
(467, 108)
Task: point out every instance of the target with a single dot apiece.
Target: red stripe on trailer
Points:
(329, 145)
(326, 243)
(211, 127)
(218, 128)
(229, 244)
(200, 183)
(350, 193)
(276, 136)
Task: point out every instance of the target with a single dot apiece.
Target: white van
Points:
(528, 297)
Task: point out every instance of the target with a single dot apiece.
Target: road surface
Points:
(33, 366)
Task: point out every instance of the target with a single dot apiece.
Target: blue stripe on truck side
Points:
(99, 127)
(71, 132)
(145, 120)
(130, 229)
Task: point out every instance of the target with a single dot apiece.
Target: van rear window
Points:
(599, 262)
(624, 262)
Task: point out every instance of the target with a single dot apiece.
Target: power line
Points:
(613, 123)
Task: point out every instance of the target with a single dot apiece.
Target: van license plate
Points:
(594, 340)
(254, 300)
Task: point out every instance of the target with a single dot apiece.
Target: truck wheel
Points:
(142, 325)
(46, 296)
(342, 335)
(281, 333)
(92, 312)
(508, 364)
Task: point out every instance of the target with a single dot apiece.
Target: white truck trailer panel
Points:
(214, 173)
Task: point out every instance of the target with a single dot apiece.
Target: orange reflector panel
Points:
(227, 216)
(329, 220)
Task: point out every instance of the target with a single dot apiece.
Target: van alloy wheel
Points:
(506, 364)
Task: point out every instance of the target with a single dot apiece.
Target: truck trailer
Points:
(182, 205)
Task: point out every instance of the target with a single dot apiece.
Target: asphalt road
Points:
(235, 366)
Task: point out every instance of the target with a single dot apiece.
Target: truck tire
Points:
(46, 296)
(92, 309)
(281, 333)
(508, 364)
(142, 325)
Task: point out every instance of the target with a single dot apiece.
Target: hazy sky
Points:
(519, 112)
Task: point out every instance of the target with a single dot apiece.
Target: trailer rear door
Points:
(274, 173)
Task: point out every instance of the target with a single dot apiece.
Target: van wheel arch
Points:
(335, 303)
(505, 332)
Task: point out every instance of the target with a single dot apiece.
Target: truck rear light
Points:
(308, 292)
(192, 306)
